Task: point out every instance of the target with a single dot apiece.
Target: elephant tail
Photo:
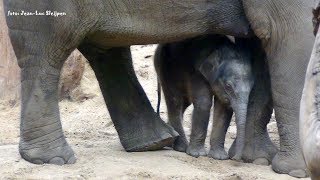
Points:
(159, 97)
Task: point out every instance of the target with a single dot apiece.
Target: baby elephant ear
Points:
(208, 67)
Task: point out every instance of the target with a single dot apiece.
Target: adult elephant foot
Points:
(147, 136)
(257, 150)
(56, 152)
(138, 126)
(285, 163)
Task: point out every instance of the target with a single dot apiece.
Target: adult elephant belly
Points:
(150, 22)
(286, 32)
(102, 31)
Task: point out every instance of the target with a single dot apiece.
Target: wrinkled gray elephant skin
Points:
(285, 29)
(103, 32)
(191, 72)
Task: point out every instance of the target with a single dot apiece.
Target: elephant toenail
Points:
(37, 161)
(57, 161)
(261, 161)
(72, 160)
(299, 173)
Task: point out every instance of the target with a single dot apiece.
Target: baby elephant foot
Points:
(218, 153)
(196, 151)
(59, 154)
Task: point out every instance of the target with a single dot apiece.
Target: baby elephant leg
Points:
(202, 102)
(221, 121)
(175, 114)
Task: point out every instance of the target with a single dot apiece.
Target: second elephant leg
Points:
(175, 106)
(41, 134)
(258, 147)
(137, 124)
(221, 121)
(287, 77)
(202, 102)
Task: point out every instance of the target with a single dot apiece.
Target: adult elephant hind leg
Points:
(138, 126)
(258, 147)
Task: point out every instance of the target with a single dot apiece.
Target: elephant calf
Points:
(191, 72)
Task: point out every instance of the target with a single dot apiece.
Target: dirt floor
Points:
(89, 130)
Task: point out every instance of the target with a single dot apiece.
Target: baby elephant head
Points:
(228, 71)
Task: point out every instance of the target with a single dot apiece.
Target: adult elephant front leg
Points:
(286, 32)
(287, 79)
(42, 44)
(41, 135)
(137, 124)
(42, 139)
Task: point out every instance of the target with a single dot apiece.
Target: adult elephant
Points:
(286, 33)
(309, 111)
(103, 32)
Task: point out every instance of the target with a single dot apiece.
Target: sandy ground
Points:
(90, 132)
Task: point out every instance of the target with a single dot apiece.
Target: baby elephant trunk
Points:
(240, 110)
